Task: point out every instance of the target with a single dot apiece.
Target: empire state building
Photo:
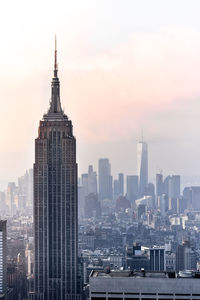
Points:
(55, 204)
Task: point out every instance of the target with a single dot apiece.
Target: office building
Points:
(55, 204)
(105, 179)
(142, 167)
(121, 184)
(186, 257)
(115, 189)
(159, 185)
(3, 257)
(157, 259)
(162, 204)
(92, 181)
(132, 188)
(191, 196)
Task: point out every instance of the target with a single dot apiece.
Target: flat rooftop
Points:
(125, 282)
(146, 274)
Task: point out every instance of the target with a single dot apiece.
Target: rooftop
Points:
(137, 274)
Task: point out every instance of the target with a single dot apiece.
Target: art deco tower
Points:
(55, 204)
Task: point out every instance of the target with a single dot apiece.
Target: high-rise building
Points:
(132, 187)
(162, 204)
(186, 258)
(55, 204)
(174, 186)
(159, 185)
(92, 180)
(191, 196)
(105, 179)
(172, 190)
(10, 197)
(142, 167)
(115, 189)
(157, 259)
(3, 257)
(121, 184)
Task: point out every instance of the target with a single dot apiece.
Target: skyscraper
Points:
(132, 188)
(157, 259)
(55, 204)
(92, 180)
(105, 179)
(3, 257)
(159, 185)
(142, 167)
(121, 184)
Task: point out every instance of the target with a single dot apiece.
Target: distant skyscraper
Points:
(10, 197)
(159, 185)
(84, 179)
(142, 167)
(116, 189)
(174, 186)
(105, 179)
(132, 187)
(121, 184)
(55, 204)
(191, 197)
(172, 190)
(92, 180)
(3, 257)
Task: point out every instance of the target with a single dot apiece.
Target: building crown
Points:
(55, 111)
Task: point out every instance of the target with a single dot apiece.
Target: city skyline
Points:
(100, 177)
(125, 67)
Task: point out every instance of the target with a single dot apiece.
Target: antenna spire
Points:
(55, 59)
(142, 134)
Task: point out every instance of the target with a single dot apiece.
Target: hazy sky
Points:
(124, 66)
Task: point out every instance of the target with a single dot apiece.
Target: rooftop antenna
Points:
(55, 59)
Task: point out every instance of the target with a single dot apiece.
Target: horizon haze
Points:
(123, 69)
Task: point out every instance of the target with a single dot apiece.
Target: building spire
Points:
(55, 111)
(55, 59)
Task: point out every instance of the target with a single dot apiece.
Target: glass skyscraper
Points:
(142, 167)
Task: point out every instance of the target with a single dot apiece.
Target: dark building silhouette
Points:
(3, 256)
(137, 258)
(122, 204)
(55, 204)
(157, 259)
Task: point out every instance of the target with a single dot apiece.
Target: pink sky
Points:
(115, 80)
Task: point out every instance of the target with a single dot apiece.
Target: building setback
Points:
(55, 204)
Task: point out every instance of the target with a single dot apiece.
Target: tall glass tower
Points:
(55, 204)
(142, 167)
